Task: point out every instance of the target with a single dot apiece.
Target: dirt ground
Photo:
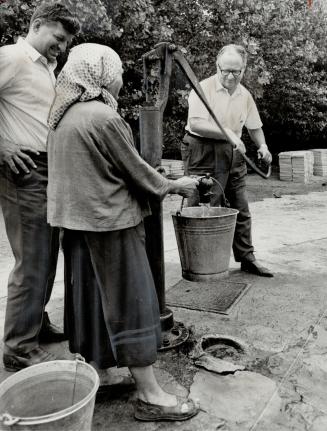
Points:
(259, 188)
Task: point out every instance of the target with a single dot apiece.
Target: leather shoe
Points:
(50, 333)
(255, 268)
(17, 361)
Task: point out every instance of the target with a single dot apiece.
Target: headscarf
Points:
(89, 71)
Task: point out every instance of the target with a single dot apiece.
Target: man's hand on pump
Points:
(264, 154)
(236, 141)
(258, 138)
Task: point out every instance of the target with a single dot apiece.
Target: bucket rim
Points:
(39, 420)
(233, 212)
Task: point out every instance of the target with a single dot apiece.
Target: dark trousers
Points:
(229, 168)
(35, 247)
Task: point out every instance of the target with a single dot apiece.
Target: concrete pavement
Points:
(283, 320)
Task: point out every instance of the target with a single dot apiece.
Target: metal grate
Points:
(215, 297)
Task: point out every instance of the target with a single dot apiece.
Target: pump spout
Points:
(204, 188)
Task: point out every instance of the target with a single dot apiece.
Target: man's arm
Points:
(258, 137)
(208, 130)
(12, 153)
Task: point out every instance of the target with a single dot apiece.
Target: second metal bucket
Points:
(50, 396)
(204, 237)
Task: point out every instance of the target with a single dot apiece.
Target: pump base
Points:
(174, 337)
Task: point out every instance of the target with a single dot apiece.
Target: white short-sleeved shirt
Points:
(27, 90)
(233, 111)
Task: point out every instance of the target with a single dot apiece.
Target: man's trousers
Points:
(35, 247)
(228, 167)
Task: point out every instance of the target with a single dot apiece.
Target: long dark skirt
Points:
(111, 308)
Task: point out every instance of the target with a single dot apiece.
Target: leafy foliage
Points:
(286, 73)
(14, 19)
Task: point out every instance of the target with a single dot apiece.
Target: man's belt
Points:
(205, 140)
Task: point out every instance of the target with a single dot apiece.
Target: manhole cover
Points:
(223, 348)
(222, 351)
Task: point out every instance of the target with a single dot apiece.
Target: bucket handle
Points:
(9, 420)
(179, 212)
(225, 201)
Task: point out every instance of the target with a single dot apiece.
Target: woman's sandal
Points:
(183, 410)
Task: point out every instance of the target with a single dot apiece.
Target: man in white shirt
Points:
(206, 150)
(27, 91)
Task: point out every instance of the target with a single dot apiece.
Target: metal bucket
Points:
(51, 396)
(204, 237)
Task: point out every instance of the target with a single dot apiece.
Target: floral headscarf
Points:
(89, 71)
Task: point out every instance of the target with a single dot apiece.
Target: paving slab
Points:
(238, 398)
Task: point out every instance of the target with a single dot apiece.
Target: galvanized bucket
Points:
(204, 237)
(51, 396)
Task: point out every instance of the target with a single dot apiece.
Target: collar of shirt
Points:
(34, 54)
(220, 87)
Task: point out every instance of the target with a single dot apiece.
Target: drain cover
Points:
(215, 297)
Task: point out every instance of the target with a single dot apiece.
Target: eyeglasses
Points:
(226, 72)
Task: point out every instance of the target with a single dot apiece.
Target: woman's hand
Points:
(184, 186)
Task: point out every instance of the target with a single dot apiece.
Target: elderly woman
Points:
(97, 191)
